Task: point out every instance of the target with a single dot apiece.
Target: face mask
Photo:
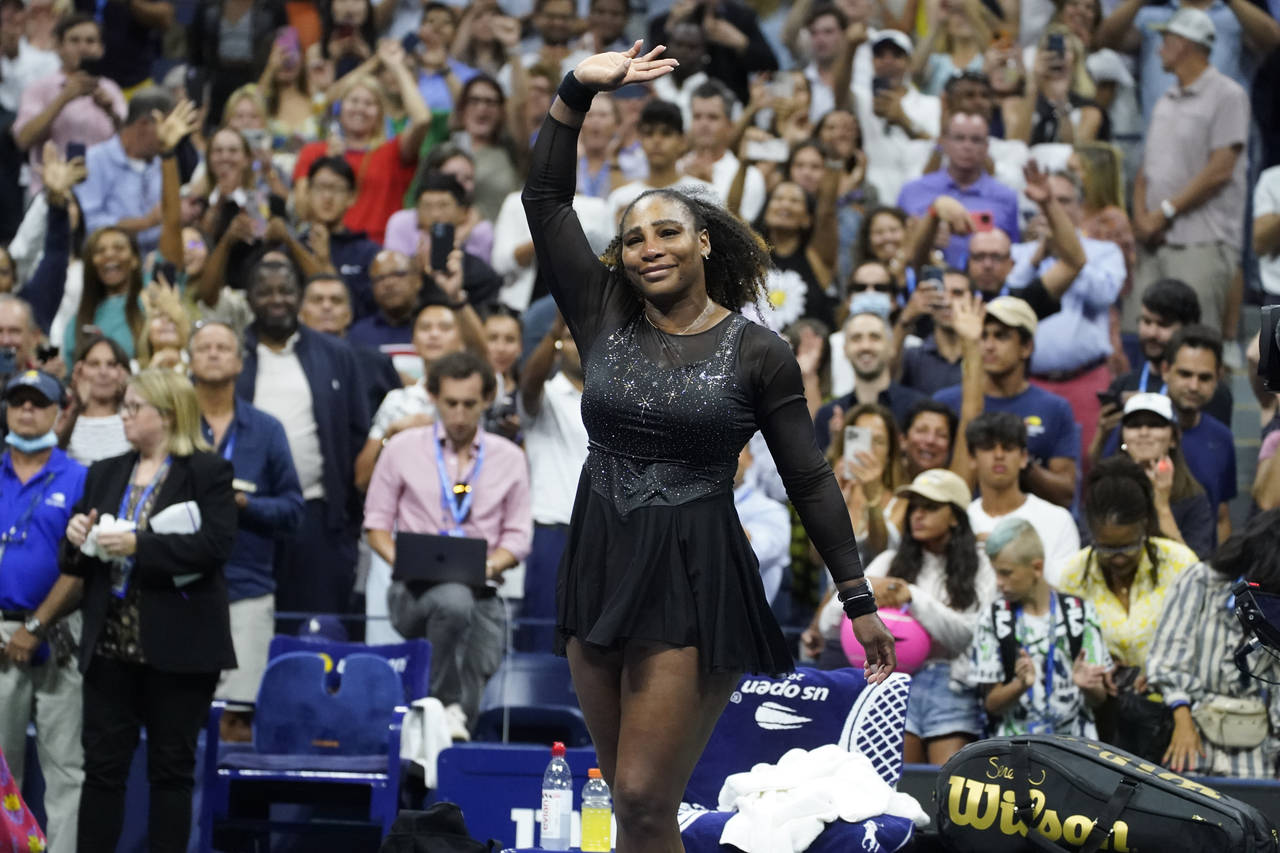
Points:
(31, 445)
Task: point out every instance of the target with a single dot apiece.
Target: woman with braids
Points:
(660, 607)
(939, 570)
(1129, 569)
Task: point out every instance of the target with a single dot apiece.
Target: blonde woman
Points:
(958, 45)
(163, 342)
(156, 620)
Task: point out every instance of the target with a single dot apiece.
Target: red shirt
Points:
(382, 179)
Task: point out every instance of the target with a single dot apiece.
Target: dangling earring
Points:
(706, 254)
(1124, 448)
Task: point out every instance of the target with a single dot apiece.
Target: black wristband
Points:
(575, 96)
(858, 602)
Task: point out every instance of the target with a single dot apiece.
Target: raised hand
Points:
(606, 72)
(60, 174)
(967, 314)
(180, 122)
(1037, 188)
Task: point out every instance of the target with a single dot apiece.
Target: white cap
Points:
(1149, 402)
(898, 37)
(1192, 24)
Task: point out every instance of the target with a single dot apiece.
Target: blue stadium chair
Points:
(806, 709)
(410, 659)
(531, 699)
(307, 738)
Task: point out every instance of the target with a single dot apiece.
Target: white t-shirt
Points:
(1266, 199)
(893, 157)
(555, 440)
(282, 391)
(97, 438)
(753, 190)
(1055, 525)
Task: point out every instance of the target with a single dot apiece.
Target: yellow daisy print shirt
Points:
(1128, 634)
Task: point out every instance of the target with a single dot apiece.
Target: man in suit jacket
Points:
(310, 382)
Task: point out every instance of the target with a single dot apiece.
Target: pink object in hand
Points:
(913, 643)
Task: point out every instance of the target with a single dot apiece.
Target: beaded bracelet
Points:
(858, 602)
(575, 95)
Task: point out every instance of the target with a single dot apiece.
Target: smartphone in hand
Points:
(856, 440)
(442, 236)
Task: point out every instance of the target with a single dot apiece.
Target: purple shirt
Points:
(405, 493)
(403, 235)
(984, 194)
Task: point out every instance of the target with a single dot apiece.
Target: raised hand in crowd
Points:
(606, 72)
(181, 121)
(60, 174)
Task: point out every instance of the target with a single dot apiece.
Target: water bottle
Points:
(597, 814)
(557, 801)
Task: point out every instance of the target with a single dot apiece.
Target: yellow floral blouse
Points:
(1128, 634)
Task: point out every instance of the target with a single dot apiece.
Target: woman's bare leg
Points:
(669, 708)
(913, 750)
(597, 679)
(942, 748)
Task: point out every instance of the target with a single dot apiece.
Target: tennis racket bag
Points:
(1054, 792)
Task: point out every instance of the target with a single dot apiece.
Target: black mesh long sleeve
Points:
(783, 417)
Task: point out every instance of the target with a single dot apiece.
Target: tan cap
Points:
(940, 486)
(1014, 313)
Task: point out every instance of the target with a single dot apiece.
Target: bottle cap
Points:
(557, 750)
(594, 773)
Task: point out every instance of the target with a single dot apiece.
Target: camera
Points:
(1259, 615)
(1269, 348)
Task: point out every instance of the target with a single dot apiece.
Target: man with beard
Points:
(310, 383)
(1168, 305)
(868, 342)
(1192, 365)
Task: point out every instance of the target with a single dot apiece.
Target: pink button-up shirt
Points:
(81, 120)
(405, 494)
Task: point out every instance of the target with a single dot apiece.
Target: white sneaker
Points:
(457, 722)
(1232, 355)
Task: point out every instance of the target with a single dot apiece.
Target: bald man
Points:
(396, 285)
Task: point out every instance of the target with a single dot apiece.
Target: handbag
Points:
(1235, 722)
(1143, 723)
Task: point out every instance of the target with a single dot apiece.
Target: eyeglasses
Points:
(18, 402)
(132, 409)
(329, 189)
(1119, 550)
(859, 287)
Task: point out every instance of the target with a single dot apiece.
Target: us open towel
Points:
(785, 806)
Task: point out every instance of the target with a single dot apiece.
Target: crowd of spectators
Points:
(1012, 242)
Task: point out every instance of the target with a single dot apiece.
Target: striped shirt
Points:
(1191, 660)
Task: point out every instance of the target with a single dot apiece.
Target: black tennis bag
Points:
(1054, 792)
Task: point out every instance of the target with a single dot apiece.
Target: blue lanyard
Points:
(228, 440)
(123, 512)
(1146, 374)
(1053, 643)
(456, 497)
(17, 533)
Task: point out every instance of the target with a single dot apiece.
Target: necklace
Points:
(706, 311)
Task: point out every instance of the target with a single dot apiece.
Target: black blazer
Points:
(184, 629)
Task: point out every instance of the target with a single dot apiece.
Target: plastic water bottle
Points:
(557, 801)
(597, 814)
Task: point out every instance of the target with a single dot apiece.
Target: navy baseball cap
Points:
(37, 380)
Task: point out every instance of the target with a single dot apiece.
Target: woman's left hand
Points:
(606, 72)
(119, 544)
(891, 592)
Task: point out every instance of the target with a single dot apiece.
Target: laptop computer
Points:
(426, 558)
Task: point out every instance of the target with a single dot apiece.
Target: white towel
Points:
(783, 807)
(424, 735)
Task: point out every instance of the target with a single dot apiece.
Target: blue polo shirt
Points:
(1052, 430)
(256, 446)
(33, 519)
(1210, 450)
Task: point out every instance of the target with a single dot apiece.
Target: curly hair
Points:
(1118, 491)
(960, 557)
(739, 261)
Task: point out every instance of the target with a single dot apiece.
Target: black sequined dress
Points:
(655, 550)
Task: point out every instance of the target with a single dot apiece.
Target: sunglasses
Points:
(886, 288)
